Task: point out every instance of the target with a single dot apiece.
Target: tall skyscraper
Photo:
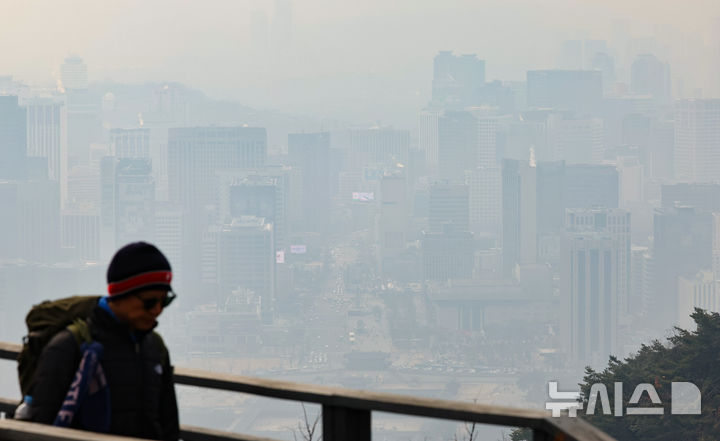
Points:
(589, 186)
(74, 74)
(246, 259)
(575, 140)
(130, 143)
(377, 145)
(575, 90)
(394, 221)
(485, 200)
(589, 292)
(683, 242)
(134, 201)
(449, 204)
(47, 137)
(697, 140)
(447, 254)
(428, 121)
(615, 224)
(310, 154)
(13, 138)
(196, 155)
(650, 76)
(457, 145)
(456, 79)
(519, 214)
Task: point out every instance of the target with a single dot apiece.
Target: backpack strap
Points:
(81, 331)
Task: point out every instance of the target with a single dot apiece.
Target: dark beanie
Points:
(138, 266)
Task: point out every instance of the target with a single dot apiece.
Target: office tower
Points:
(310, 154)
(579, 91)
(394, 221)
(640, 280)
(428, 122)
(605, 63)
(631, 175)
(698, 290)
(527, 131)
(589, 293)
(485, 200)
(550, 210)
(447, 254)
(575, 140)
(456, 79)
(130, 143)
(196, 155)
(9, 222)
(519, 214)
(74, 74)
(487, 125)
(591, 186)
(80, 234)
(83, 188)
(261, 193)
(650, 76)
(702, 197)
(377, 145)
(168, 237)
(47, 137)
(134, 201)
(246, 259)
(615, 224)
(662, 148)
(449, 204)
(83, 111)
(13, 138)
(683, 242)
(697, 140)
(457, 145)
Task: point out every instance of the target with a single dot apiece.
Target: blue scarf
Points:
(89, 396)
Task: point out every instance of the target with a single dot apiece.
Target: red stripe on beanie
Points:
(135, 282)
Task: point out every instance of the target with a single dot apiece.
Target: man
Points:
(134, 361)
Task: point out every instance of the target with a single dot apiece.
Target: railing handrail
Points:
(357, 400)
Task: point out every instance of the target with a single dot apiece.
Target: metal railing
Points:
(346, 414)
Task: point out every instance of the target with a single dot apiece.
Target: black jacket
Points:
(138, 372)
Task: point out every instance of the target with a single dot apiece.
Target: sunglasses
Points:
(150, 303)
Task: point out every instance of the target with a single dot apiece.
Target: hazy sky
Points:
(344, 54)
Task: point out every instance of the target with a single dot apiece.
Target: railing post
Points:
(343, 424)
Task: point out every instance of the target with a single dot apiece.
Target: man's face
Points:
(140, 310)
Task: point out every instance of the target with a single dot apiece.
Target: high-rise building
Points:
(589, 292)
(13, 138)
(246, 259)
(449, 204)
(80, 234)
(428, 121)
(196, 155)
(683, 242)
(700, 290)
(47, 138)
(702, 197)
(394, 221)
(519, 214)
(447, 254)
(650, 76)
(615, 224)
(130, 143)
(134, 201)
(589, 186)
(377, 145)
(456, 79)
(575, 140)
(580, 91)
(697, 140)
(74, 74)
(457, 145)
(485, 200)
(310, 154)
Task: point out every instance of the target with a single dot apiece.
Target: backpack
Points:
(46, 319)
